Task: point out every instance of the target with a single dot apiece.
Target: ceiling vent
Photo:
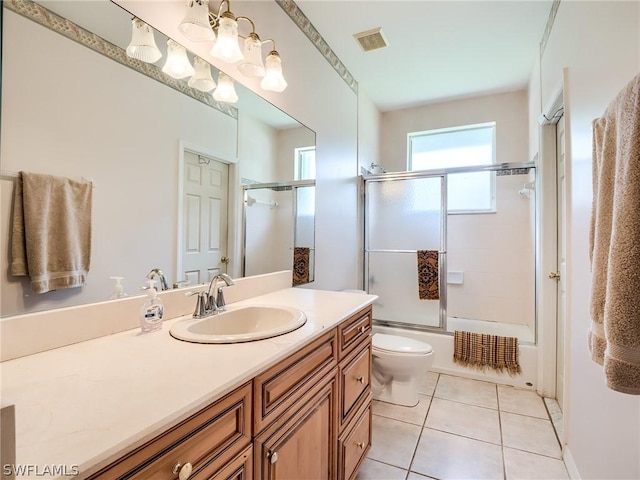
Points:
(371, 39)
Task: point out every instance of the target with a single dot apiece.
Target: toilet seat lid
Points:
(395, 343)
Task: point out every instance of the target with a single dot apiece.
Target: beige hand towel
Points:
(614, 337)
(51, 231)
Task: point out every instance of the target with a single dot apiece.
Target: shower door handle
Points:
(554, 275)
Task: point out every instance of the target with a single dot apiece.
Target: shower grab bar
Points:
(396, 251)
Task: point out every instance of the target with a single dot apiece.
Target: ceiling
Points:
(438, 50)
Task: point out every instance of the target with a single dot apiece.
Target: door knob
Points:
(554, 275)
(224, 259)
(360, 380)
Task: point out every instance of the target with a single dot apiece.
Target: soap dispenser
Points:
(152, 310)
(118, 289)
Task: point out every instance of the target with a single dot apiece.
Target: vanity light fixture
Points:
(223, 31)
(195, 24)
(202, 79)
(226, 91)
(273, 79)
(177, 64)
(143, 44)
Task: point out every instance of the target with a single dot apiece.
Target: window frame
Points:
(436, 131)
(297, 164)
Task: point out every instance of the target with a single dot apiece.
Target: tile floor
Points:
(464, 429)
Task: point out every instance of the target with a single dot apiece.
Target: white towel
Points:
(614, 337)
(51, 231)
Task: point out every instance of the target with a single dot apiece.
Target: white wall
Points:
(495, 252)
(287, 141)
(508, 110)
(96, 119)
(599, 45)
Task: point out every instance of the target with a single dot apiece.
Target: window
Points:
(305, 163)
(459, 147)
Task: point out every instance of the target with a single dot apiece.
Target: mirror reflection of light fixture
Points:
(177, 64)
(273, 79)
(202, 79)
(226, 91)
(143, 44)
(195, 24)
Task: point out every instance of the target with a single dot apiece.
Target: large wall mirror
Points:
(68, 110)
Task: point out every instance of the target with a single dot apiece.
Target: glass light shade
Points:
(226, 47)
(177, 64)
(273, 79)
(202, 79)
(226, 91)
(195, 24)
(252, 65)
(143, 44)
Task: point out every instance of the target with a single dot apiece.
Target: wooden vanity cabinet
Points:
(307, 417)
(208, 440)
(354, 392)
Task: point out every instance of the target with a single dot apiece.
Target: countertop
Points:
(84, 405)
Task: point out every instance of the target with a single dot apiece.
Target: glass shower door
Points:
(404, 215)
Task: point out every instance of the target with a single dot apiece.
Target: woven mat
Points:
(486, 351)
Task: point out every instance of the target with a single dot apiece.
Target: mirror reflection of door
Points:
(204, 242)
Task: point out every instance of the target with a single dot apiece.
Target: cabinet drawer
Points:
(355, 381)
(240, 468)
(208, 439)
(277, 389)
(354, 330)
(354, 444)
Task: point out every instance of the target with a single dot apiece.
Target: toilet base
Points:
(404, 393)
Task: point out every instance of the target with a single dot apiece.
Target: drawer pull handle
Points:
(360, 445)
(183, 471)
(360, 380)
(363, 329)
(273, 457)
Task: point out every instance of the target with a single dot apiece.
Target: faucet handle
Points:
(220, 303)
(201, 310)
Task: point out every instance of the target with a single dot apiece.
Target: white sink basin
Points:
(242, 324)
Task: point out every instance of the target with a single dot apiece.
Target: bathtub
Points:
(442, 344)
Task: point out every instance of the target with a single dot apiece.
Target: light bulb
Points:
(195, 24)
(252, 65)
(177, 64)
(143, 44)
(226, 47)
(202, 79)
(226, 91)
(273, 79)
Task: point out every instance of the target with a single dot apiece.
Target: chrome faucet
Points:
(218, 304)
(156, 272)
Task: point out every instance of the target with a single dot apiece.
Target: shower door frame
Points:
(442, 257)
(293, 186)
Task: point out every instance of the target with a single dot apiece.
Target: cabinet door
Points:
(300, 446)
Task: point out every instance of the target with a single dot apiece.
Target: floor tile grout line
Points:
(424, 422)
(504, 461)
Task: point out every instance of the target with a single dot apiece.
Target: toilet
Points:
(398, 362)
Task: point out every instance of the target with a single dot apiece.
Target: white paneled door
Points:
(204, 229)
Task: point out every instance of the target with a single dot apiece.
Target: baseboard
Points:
(572, 469)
